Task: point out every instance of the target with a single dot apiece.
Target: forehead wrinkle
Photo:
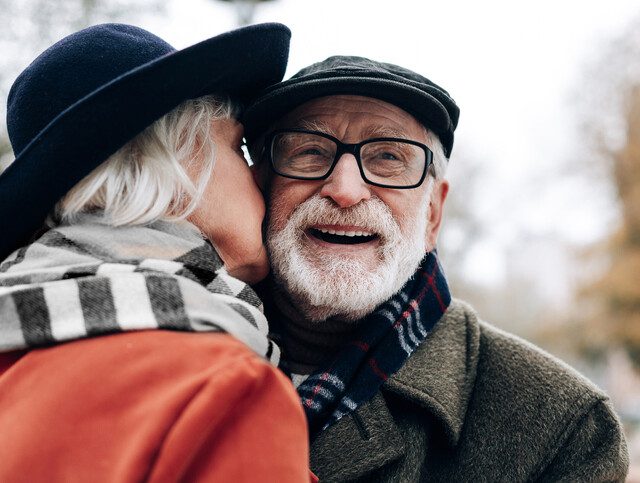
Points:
(367, 133)
(384, 132)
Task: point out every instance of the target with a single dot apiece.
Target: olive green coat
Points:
(474, 403)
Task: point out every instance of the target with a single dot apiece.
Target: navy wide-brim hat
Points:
(90, 93)
(426, 101)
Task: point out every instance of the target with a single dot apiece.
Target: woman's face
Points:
(231, 211)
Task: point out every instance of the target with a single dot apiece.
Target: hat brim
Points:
(238, 63)
(278, 101)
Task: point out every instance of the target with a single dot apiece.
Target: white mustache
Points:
(371, 215)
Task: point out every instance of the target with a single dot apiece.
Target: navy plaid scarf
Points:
(385, 340)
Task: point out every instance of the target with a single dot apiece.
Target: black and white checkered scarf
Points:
(87, 279)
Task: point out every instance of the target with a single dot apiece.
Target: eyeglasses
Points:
(312, 155)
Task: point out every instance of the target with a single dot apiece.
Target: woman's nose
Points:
(345, 186)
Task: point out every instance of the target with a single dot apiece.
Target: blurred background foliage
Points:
(605, 309)
(596, 328)
(615, 316)
(612, 121)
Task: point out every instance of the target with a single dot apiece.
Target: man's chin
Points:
(317, 313)
(323, 256)
(333, 285)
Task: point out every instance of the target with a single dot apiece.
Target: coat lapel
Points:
(440, 375)
(359, 443)
(438, 378)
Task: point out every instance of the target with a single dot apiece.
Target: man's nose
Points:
(345, 186)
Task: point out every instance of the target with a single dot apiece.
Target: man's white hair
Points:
(440, 161)
(146, 180)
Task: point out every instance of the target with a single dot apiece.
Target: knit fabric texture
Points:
(89, 279)
(385, 340)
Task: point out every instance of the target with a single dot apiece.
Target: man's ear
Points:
(436, 207)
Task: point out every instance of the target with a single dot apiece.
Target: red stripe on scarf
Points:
(378, 372)
(432, 283)
(361, 345)
(309, 401)
(413, 304)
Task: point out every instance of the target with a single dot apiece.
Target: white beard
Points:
(322, 285)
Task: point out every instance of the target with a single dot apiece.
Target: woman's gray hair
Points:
(146, 180)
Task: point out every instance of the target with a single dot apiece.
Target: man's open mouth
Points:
(342, 237)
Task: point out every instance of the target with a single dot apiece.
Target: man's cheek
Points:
(276, 218)
(262, 176)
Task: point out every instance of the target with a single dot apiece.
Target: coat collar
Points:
(440, 375)
(438, 378)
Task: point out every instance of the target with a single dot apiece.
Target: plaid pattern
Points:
(386, 339)
(87, 280)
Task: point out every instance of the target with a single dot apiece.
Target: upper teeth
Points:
(345, 233)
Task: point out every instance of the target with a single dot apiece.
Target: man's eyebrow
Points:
(315, 125)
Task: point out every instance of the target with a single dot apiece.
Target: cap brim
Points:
(238, 63)
(280, 100)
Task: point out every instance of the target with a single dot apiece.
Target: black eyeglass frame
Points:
(347, 148)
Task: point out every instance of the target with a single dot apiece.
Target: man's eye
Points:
(310, 152)
(387, 155)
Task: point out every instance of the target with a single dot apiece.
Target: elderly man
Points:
(400, 382)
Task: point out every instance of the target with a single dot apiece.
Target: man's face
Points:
(340, 246)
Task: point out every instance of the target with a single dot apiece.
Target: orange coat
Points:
(154, 406)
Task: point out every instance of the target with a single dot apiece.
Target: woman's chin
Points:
(249, 269)
(250, 274)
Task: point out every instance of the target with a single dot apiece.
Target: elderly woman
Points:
(131, 346)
